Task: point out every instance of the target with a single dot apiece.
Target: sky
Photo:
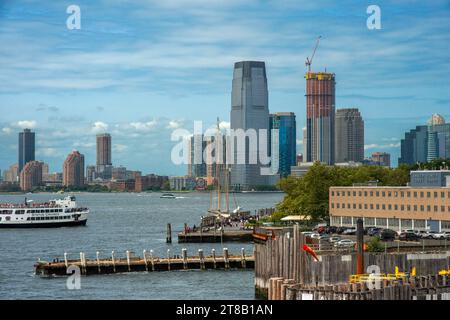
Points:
(140, 69)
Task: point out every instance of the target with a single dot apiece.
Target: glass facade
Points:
(286, 143)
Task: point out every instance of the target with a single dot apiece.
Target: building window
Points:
(406, 224)
(354, 206)
(421, 194)
(332, 205)
(435, 208)
(428, 194)
(393, 223)
(408, 194)
(442, 194)
(348, 193)
(378, 206)
(365, 193)
(371, 206)
(354, 193)
(332, 193)
(395, 207)
(338, 193)
(415, 207)
(422, 208)
(435, 195)
(383, 206)
(419, 224)
(377, 193)
(402, 194)
(408, 207)
(369, 222)
(371, 193)
(347, 220)
(445, 224)
(442, 208)
(381, 222)
(383, 194)
(429, 208)
(389, 206)
(389, 194)
(336, 221)
(415, 194)
(338, 205)
(365, 206)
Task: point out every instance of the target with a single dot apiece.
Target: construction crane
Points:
(309, 61)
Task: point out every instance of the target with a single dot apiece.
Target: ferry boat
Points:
(168, 196)
(52, 214)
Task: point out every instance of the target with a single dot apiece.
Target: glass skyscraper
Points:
(249, 110)
(26, 148)
(426, 142)
(287, 141)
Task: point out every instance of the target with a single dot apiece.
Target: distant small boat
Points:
(168, 196)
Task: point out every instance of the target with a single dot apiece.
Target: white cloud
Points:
(26, 124)
(224, 125)
(7, 130)
(381, 146)
(120, 148)
(174, 124)
(144, 126)
(99, 127)
(48, 152)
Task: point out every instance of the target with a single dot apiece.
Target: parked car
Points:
(334, 239)
(439, 235)
(374, 231)
(349, 231)
(428, 235)
(339, 230)
(388, 235)
(423, 234)
(307, 234)
(331, 230)
(345, 243)
(324, 236)
(408, 236)
(315, 235)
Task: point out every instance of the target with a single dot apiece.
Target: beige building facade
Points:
(396, 208)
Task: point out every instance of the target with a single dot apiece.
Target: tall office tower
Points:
(26, 148)
(196, 165)
(104, 163)
(286, 143)
(305, 145)
(426, 142)
(320, 104)
(349, 136)
(249, 110)
(73, 170)
(31, 175)
(90, 174)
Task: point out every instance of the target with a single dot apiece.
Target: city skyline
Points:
(163, 73)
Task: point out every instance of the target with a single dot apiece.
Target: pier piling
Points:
(169, 233)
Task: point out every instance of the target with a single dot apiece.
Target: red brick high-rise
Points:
(320, 109)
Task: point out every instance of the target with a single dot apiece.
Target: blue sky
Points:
(139, 69)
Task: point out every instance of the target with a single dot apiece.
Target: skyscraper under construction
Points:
(320, 109)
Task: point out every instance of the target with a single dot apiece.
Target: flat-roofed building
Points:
(396, 208)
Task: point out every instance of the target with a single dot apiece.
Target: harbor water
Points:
(120, 222)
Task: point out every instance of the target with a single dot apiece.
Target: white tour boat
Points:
(51, 214)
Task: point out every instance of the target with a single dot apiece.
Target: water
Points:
(123, 222)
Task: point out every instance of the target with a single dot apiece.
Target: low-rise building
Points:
(419, 206)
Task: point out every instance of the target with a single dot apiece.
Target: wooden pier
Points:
(146, 263)
(216, 237)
